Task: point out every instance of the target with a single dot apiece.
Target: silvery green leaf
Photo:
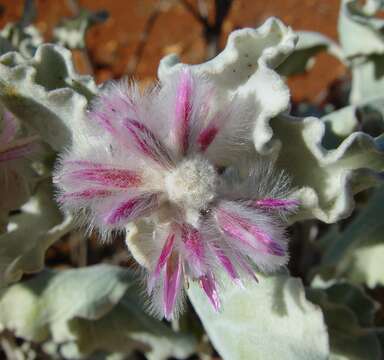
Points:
(5, 46)
(309, 45)
(362, 39)
(352, 296)
(46, 93)
(30, 233)
(24, 39)
(326, 180)
(367, 78)
(39, 308)
(367, 116)
(339, 125)
(356, 253)
(348, 313)
(268, 320)
(365, 265)
(360, 33)
(94, 309)
(71, 32)
(126, 328)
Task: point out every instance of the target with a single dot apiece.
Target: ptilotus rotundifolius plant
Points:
(153, 155)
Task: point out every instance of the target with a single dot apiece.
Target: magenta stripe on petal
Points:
(147, 143)
(132, 209)
(272, 246)
(103, 120)
(226, 264)
(247, 267)
(172, 282)
(240, 229)
(271, 203)
(208, 283)
(163, 258)
(120, 178)
(206, 137)
(194, 248)
(88, 194)
(183, 110)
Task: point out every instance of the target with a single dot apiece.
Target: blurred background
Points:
(129, 37)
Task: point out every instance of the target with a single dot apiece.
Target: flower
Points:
(158, 156)
(14, 153)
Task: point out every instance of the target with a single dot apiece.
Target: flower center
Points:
(192, 184)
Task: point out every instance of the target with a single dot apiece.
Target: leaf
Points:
(71, 32)
(326, 180)
(357, 252)
(362, 38)
(89, 310)
(128, 327)
(339, 125)
(264, 321)
(360, 33)
(366, 116)
(21, 37)
(367, 78)
(30, 233)
(5, 45)
(46, 93)
(40, 307)
(309, 45)
(351, 296)
(348, 314)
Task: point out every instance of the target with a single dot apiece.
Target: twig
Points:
(202, 18)
(139, 51)
(212, 32)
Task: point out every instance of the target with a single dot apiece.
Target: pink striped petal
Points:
(227, 264)
(194, 248)
(88, 194)
(247, 267)
(208, 284)
(183, 108)
(147, 143)
(119, 178)
(276, 204)
(105, 122)
(241, 229)
(132, 209)
(163, 258)
(206, 136)
(172, 285)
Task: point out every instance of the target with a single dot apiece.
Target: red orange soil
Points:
(113, 43)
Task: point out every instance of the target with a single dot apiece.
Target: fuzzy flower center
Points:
(192, 183)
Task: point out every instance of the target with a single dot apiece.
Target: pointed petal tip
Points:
(208, 284)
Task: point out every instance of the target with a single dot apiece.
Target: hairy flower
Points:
(159, 156)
